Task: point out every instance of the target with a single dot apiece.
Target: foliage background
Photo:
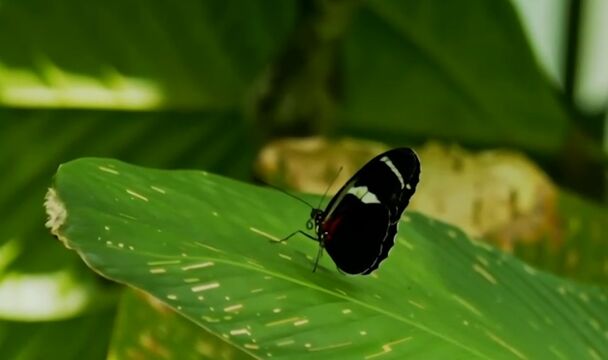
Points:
(203, 84)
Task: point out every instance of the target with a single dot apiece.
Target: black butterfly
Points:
(358, 226)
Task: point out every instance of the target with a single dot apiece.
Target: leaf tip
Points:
(55, 210)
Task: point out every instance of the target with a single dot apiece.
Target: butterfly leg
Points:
(319, 253)
(294, 233)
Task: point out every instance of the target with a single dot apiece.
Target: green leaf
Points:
(33, 142)
(147, 329)
(577, 249)
(83, 337)
(136, 55)
(458, 70)
(202, 244)
(66, 292)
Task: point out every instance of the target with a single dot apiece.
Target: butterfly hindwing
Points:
(355, 234)
(387, 244)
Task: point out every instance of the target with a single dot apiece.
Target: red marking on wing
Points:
(330, 226)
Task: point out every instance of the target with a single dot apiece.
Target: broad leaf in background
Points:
(82, 337)
(581, 252)
(136, 55)
(455, 70)
(148, 329)
(203, 245)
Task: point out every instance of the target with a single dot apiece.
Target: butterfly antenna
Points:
(328, 187)
(290, 194)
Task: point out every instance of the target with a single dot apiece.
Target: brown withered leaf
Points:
(500, 195)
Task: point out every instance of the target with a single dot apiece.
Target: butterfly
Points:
(359, 225)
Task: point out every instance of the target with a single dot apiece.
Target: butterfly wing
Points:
(391, 177)
(380, 189)
(387, 244)
(405, 163)
(355, 234)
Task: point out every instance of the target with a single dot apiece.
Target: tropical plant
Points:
(202, 85)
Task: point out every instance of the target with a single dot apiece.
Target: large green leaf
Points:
(33, 142)
(203, 244)
(456, 70)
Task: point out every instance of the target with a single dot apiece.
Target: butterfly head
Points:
(316, 217)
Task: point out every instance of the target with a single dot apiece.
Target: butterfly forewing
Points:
(391, 176)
